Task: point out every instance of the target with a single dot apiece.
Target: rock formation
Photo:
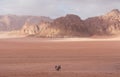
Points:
(104, 25)
(30, 29)
(70, 25)
(66, 26)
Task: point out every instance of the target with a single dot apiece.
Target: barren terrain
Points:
(30, 57)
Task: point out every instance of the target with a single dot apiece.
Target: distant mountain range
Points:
(67, 26)
(13, 22)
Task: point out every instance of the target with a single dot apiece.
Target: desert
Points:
(59, 38)
(36, 57)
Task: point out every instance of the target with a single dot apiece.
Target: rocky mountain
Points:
(67, 26)
(104, 25)
(73, 26)
(44, 29)
(30, 28)
(70, 25)
(13, 22)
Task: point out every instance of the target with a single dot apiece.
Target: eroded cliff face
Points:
(73, 26)
(43, 29)
(30, 29)
(105, 24)
(68, 26)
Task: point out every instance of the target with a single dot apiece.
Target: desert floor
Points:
(28, 57)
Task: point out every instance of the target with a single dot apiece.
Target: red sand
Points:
(30, 58)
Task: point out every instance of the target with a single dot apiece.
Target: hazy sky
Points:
(56, 8)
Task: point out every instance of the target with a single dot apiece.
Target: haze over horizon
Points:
(56, 8)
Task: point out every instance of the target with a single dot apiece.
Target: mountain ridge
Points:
(73, 26)
(14, 22)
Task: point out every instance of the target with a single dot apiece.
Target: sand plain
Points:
(29, 57)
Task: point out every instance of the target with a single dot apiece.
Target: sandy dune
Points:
(30, 57)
